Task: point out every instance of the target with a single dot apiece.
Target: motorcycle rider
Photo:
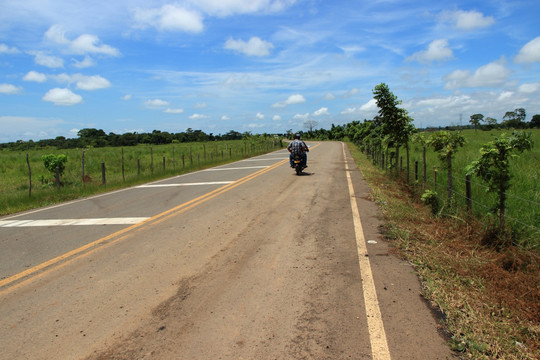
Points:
(298, 147)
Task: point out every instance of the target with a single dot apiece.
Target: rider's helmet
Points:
(297, 136)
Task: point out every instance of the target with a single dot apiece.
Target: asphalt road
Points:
(243, 261)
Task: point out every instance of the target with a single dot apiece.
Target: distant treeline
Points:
(98, 138)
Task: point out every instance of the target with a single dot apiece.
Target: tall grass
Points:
(523, 197)
(141, 164)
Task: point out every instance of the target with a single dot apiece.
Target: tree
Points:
(493, 166)
(514, 119)
(476, 119)
(53, 162)
(446, 144)
(396, 124)
(535, 121)
(310, 124)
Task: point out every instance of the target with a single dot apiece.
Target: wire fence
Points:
(471, 195)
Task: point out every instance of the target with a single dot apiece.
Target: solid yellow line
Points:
(377, 335)
(86, 249)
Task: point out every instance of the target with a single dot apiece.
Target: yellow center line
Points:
(377, 335)
(64, 259)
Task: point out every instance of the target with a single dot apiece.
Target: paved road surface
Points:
(243, 261)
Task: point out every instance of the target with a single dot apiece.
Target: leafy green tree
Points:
(447, 143)
(396, 124)
(493, 166)
(51, 162)
(515, 119)
(476, 119)
(535, 121)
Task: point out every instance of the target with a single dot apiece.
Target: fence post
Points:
(103, 180)
(29, 176)
(151, 161)
(138, 167)
(416, 170)
(468, 192)
(164, 164)
(123, 175)
(435, 178)
(183, 161)
(82, 166)
(57, 177)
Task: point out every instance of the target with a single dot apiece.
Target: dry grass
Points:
(490, 299)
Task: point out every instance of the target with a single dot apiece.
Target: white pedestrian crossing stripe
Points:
(70, 222)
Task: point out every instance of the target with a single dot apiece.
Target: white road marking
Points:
(265, 159)
(186, 184)
(377, 335)
(68, 222)
(238, 168)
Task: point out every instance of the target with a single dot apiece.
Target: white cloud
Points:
(529, 88)
(198, 117)
(254, 125)
(64, 97)
(83, 82)
(530, 52)
(35, 76)
(301, 116)
(492, 74)
(350, 93)
(92, 82)
(156, 103)
(173, 111)
(468, 20)
(276, 118)
(371, 105)
(225, 118)
(85, 63)
(505, 95)
(448, 102)
(437, 50)
(259, 116)
(351, 110)
(329, 96)
(230, 7)
(9, 89)
(291, 100)
(127, 97)
(25, 128)
(83, 44)
(49, 61)
(169, 18)
(253, 47)
(4, 49)
(321, 111)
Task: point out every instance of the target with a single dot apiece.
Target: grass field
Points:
(523, 197)
(140, 164)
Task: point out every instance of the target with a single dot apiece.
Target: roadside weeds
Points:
(490, 300)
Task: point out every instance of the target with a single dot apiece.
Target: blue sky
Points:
(259, 65)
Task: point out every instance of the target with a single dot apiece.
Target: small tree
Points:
(493, 167)
(476, 119)
(446, 144)
(52, 162)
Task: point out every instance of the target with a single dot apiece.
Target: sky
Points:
(259, 66)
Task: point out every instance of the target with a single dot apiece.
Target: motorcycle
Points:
(298, 167)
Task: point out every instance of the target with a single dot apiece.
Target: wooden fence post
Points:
(164, 164)
(416, 170)
(103, 179)
(57, 177)
(29, 176)
(138, 167)
(468, 192)
(123, 175)
(82, 166)
(435, 178)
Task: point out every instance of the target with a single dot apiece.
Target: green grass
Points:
(523, 197)
(490, 300)
(141, 164)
